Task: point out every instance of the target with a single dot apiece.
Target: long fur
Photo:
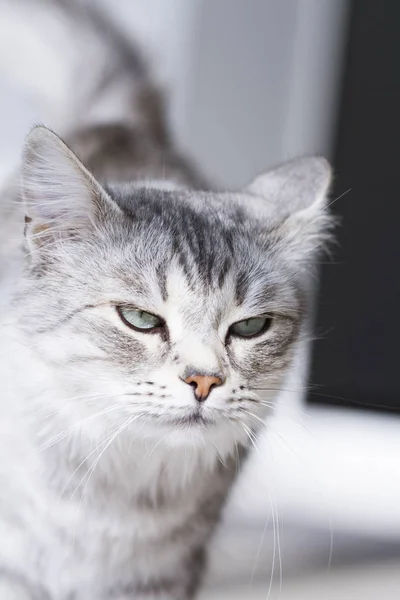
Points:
(112, 473)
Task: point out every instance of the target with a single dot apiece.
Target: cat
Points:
(151, 325)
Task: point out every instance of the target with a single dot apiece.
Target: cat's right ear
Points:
(61, 196)
(295, 210)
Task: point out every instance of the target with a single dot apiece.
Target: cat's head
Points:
(161, 310)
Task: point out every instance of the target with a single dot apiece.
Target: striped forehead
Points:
(197, 303)
(208, 308)
(208, 242)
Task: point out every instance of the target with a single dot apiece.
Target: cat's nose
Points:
(203, 384)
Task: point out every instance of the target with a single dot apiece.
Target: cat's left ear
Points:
(296, 210)
(61, 196)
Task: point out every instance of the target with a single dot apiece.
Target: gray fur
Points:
(113, 476)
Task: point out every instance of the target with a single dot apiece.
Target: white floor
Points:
(372, 582)
(320, 501)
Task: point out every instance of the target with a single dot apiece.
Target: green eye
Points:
(140, 319)
(250, 327)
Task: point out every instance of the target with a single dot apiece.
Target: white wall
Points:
(262, 87)
(251, 83)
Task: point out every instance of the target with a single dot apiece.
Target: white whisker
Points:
(108, 441)
(69, 430)
(271, 579)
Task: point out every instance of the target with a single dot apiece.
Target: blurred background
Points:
(316, 513)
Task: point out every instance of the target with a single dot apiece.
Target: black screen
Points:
(356, 359)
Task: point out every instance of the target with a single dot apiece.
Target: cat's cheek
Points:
(265, 355)
(250, 362)
(241, 358)
(132, 351)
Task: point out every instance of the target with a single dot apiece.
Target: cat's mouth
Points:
(194, 418)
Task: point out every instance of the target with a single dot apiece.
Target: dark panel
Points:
(359, 304)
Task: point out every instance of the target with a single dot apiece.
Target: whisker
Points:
(91, 469)
(80, 465)
(354, 402)
(260, 545)
(108, 441)
(290, 409)
(237, 461)
(284, 444)
(259, 419)
(250, 435)
(281, 389)
(219, 457)
(330, 542)
(63, 434)
(158, 443)
(278, 546)
(338, 198)
(274, 549)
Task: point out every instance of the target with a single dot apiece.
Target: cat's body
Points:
(119, 442)
(137, 529)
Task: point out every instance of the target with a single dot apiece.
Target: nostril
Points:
(203, 384)
(200, 398)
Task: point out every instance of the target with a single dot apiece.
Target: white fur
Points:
(87, 515)
(96, 484)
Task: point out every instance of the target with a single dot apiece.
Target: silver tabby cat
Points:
(147, 314)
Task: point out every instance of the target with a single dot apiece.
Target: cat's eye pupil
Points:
(140, 319)
(250, 327)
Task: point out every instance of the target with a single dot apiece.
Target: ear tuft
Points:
(295, 185)
(59, 192)
(295, 196)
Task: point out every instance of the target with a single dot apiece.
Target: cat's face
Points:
(172, 313)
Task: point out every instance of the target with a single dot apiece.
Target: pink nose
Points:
(203, 385)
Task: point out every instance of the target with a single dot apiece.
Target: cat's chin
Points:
(193, 431)
(193, 419)
(181, 427)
